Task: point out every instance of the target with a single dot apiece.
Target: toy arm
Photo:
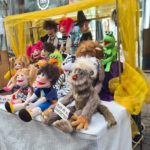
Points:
(30, 99)
(68, 44)
(67, 99)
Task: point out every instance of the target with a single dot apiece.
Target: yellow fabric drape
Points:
(16, 26)
(134, 88)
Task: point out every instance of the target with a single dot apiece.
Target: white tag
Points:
(62, 111)
(4, 99)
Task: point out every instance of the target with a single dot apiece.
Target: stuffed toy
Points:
(85, 97)
(51, 28)
(44, 94)
(65, 27)
(34, 52)
(110, 51)
(19, 63)
(48, 48)
(24, 79)
(62, 84)
(83, 23)
(93, 49)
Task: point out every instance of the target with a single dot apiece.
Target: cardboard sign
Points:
(62, 111)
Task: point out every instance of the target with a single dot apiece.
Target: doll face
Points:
(51, 32)
(22, 80)
(36, 54)
(63, 31)
(18, 65)
(42, 81)
(44, 54)
(84, 27)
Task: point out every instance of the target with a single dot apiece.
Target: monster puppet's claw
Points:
(81, 122)
(46, 112)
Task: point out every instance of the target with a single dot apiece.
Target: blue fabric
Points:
(49, 93)
(44, 105)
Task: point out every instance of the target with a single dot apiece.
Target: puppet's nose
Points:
(74, 77)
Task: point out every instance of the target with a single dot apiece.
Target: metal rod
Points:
(118, 40)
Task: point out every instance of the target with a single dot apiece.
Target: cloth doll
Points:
(44, 94)
(51, 28)
(93, 49)
(110, 51)
(62, 84)
(65, 27)
(83, 23)
(48, 48)
(34, 52)
(19, 63)
(85, 97)
(24, 79)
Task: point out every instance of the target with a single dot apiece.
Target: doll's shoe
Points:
(7, 89)
(25, 115)
(9, 107)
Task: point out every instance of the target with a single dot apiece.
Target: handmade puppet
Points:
(51, 28)
(83, 23)
(44, 94)
(93, 49)
(65, 27)
(62, 84)
(86, 99)
(24, 79)
(48, 48)
(19, 63)
(34, 52)
(110, 51)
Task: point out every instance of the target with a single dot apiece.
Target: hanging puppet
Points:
(51, 28)
(44, 94)
(86, 99)
(110, 51)
(65, 27)
(83, 23)
(34, 52)
(24, 79)
(19, 63)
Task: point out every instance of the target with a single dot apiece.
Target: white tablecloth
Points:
(18, 135)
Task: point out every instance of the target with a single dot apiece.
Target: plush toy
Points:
(51, 27)
(93, 49)
(24, 79)
(48, 48)
(83, 23)
(65, 27)
(110, 51)
(44, 94)
(62, 84)
(86, 98)
(19, 63)
(34, 52)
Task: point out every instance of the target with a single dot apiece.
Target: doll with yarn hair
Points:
(23, 79)
(16, 64)
(34, 52)
(65, 27)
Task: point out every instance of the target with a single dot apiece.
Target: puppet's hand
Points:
(46, 113)
(80, 123)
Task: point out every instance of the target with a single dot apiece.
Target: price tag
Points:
(62, 111)
(4, 99)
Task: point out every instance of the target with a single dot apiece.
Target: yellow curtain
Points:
(134, 88)
(17, 26)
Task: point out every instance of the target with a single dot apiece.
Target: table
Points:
(18, 135)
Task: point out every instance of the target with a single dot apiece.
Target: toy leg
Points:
(27, 115)
(13, 108)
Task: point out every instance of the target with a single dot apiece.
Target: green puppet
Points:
(110, 51)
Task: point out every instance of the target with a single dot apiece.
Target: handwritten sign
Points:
(62, 111)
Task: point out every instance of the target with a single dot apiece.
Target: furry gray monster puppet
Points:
(87, 101)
